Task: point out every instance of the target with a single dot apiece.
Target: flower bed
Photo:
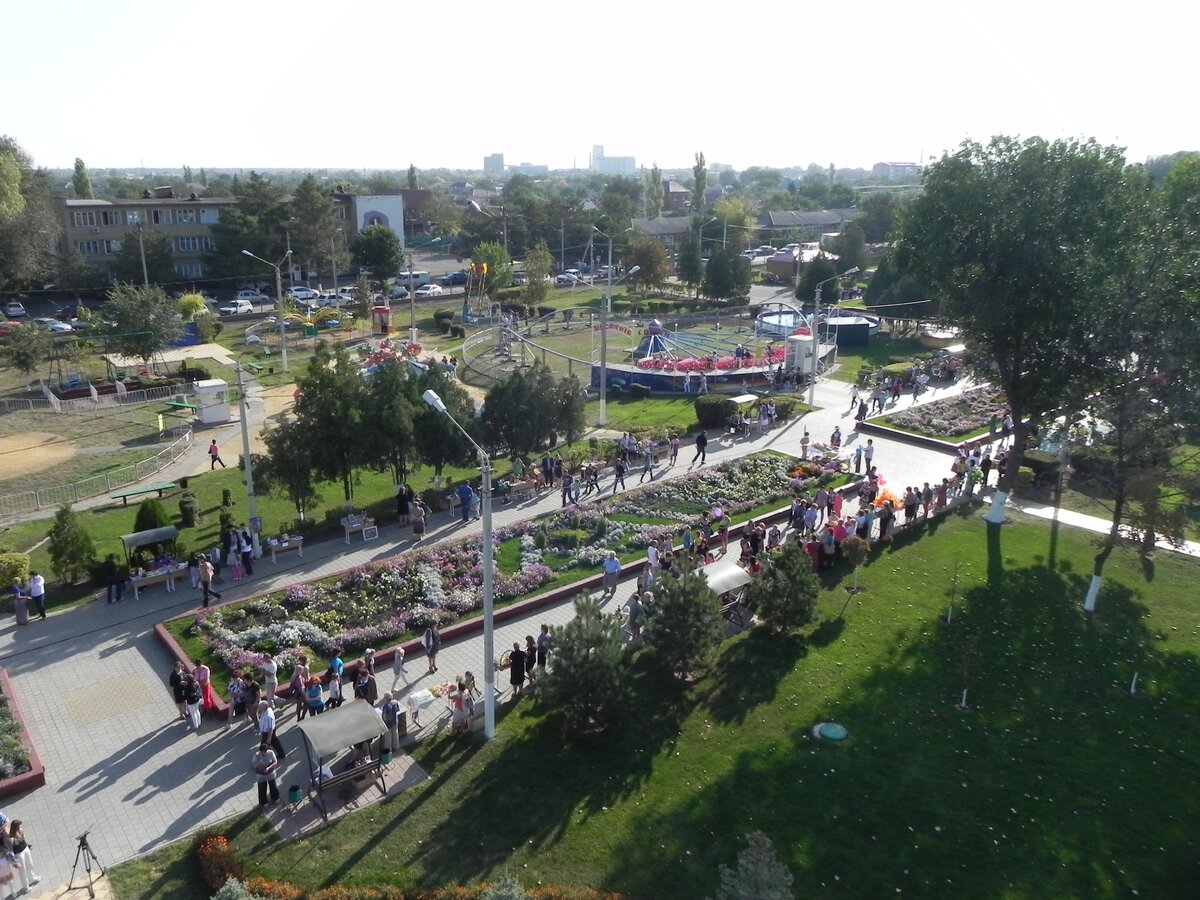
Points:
(379, 604)
(971, 412)
(20, 768)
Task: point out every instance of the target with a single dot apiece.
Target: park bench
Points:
(176, 404)
(153, 489)
(257, 367)
(372, 769)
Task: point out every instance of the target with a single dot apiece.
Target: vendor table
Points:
(165, 576)
(296, 543)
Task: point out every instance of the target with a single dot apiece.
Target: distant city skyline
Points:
(142, 84)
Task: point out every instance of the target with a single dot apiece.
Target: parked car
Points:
(52, 325)
(567, 278)
(429, 290)
(252, 297)
(519, 279)
(604, 271)
(300, 292)
(454, 278)
(764, 250)
(7, 328)
(15, 309)
(237, 307)
(334, 301)
(398, 292)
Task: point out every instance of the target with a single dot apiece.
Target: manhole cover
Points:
(831, 731)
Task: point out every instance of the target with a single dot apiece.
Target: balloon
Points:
(717, 512)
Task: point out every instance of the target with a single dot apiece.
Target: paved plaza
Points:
(119, 761)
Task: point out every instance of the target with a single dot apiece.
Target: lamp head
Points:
(634, 270)
(247, 253)
(431, 397)
(851, 271)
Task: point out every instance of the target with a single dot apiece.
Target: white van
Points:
(419, 279)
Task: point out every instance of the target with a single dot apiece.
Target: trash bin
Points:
(385, 757)
(183, 483)
(294, 794)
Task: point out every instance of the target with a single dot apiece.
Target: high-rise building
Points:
(612, 165)
(493, 164)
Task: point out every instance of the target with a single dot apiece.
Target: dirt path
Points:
(33, 451)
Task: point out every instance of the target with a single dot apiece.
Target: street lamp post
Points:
(812, 385)
(247, 466)
(333, 255)
(602, 419)
(278, 300)
(412, 305)
(485, 491)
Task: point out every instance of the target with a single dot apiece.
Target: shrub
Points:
(226, 517)
(713, 411)
(685, 624)
(151, 514)
(443, 315)
(13, 565)
(189, 510)
(588, 689)
(444, 325)
(457, 331)
(1042, 464)
(434, 498)
(898, 370)
(72, 549)
(196, 373)
(785, 596)
(233, 890)
(217, 860)
(784, 407)
(639, 391)
(1025, 478)
(759, 874)
(545, 311)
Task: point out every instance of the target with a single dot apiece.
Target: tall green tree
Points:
(620, 201)
(653, 192)
(391, 403)
(700, 173)
(689, 265)
(29, 227)
(143, 320)
(878, 213)
(569, 408)
(1145, 460)
(784, 597)
(651, 259)
(439, 443)
(738, 215)
(759, 874)
(499, 266)
(684, 623)
(289, 466)
(313, 222)
(820, 268)
(258, 223)
(718, 276)
(330, 411)
(126, 263)
(80, 181)
(538, 263)
(151, 514)
(588, 688)
(851, 248)
(25, 348)
(1016, 240)
(519, 411)
(412, 177)
(71, 546)
(77, 275)
(378, 249)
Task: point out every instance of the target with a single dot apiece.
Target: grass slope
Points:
(1055, 783)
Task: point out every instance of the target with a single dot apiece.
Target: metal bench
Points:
(371, 770)
(158, 489)
(257, 367)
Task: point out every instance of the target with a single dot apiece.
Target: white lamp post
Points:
(247, 467)
(333, 255)
(812, 386)
(278, 301)
(602, 419)
(485, 492)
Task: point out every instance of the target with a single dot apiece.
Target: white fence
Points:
(96, 401)
(57, 495)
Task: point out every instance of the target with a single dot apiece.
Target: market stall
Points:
(338, 747)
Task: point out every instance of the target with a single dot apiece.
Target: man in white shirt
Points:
(37, 591)
(266, 728)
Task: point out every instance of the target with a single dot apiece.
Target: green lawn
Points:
(1056, 782)
(670, 413)
(878, 352)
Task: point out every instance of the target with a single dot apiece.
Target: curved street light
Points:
(278, 300)
(812, 385)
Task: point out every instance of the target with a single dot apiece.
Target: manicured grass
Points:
(877, 353)
(667, 413)
(1056, 783)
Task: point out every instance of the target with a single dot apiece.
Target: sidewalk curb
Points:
(36, 776)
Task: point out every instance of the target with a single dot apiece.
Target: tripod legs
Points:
(84, 852)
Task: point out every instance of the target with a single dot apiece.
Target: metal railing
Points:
(57, 495)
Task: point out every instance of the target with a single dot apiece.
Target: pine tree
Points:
(684, 622)
(587, 688)
(759, 874)
(785, 596)
(151, 514)
(71, 547)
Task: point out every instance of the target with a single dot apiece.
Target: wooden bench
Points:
(257, 367)
(158, 489)
(525, 488)
(372, 768)
(296, 543)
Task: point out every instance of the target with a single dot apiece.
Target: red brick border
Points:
(36, 776)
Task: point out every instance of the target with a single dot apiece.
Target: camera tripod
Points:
(84, 851)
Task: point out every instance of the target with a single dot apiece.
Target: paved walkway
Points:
(118, 759)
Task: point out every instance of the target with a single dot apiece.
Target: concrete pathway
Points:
(92, 680)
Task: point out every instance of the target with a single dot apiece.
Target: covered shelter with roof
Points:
(350, 729)
(163, 537)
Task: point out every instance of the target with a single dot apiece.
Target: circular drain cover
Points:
(832, 731)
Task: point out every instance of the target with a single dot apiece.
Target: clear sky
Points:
(379, 84)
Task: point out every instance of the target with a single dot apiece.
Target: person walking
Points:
(543, 647)
(701, 448)
(858, 458)
(805, 440)
(270, 670)
(206, 579)
(612, 572)
(389, 712)
(398, 667)
(37, 592)
(335, 698)
(674, 448)
(853, 399)
(619, 474)
(193, 696)
(264, 763)
(18, 849)
(869, 453)
(314, 696)
(214, 456)
(266, 728)
(647, 464)
(464, 493)
(567, 482)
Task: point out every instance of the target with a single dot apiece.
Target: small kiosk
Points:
(212, 401)
(381, 320)
(350, 730)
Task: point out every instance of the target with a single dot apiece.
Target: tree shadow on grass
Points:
(1056, 782)
(748, 672)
